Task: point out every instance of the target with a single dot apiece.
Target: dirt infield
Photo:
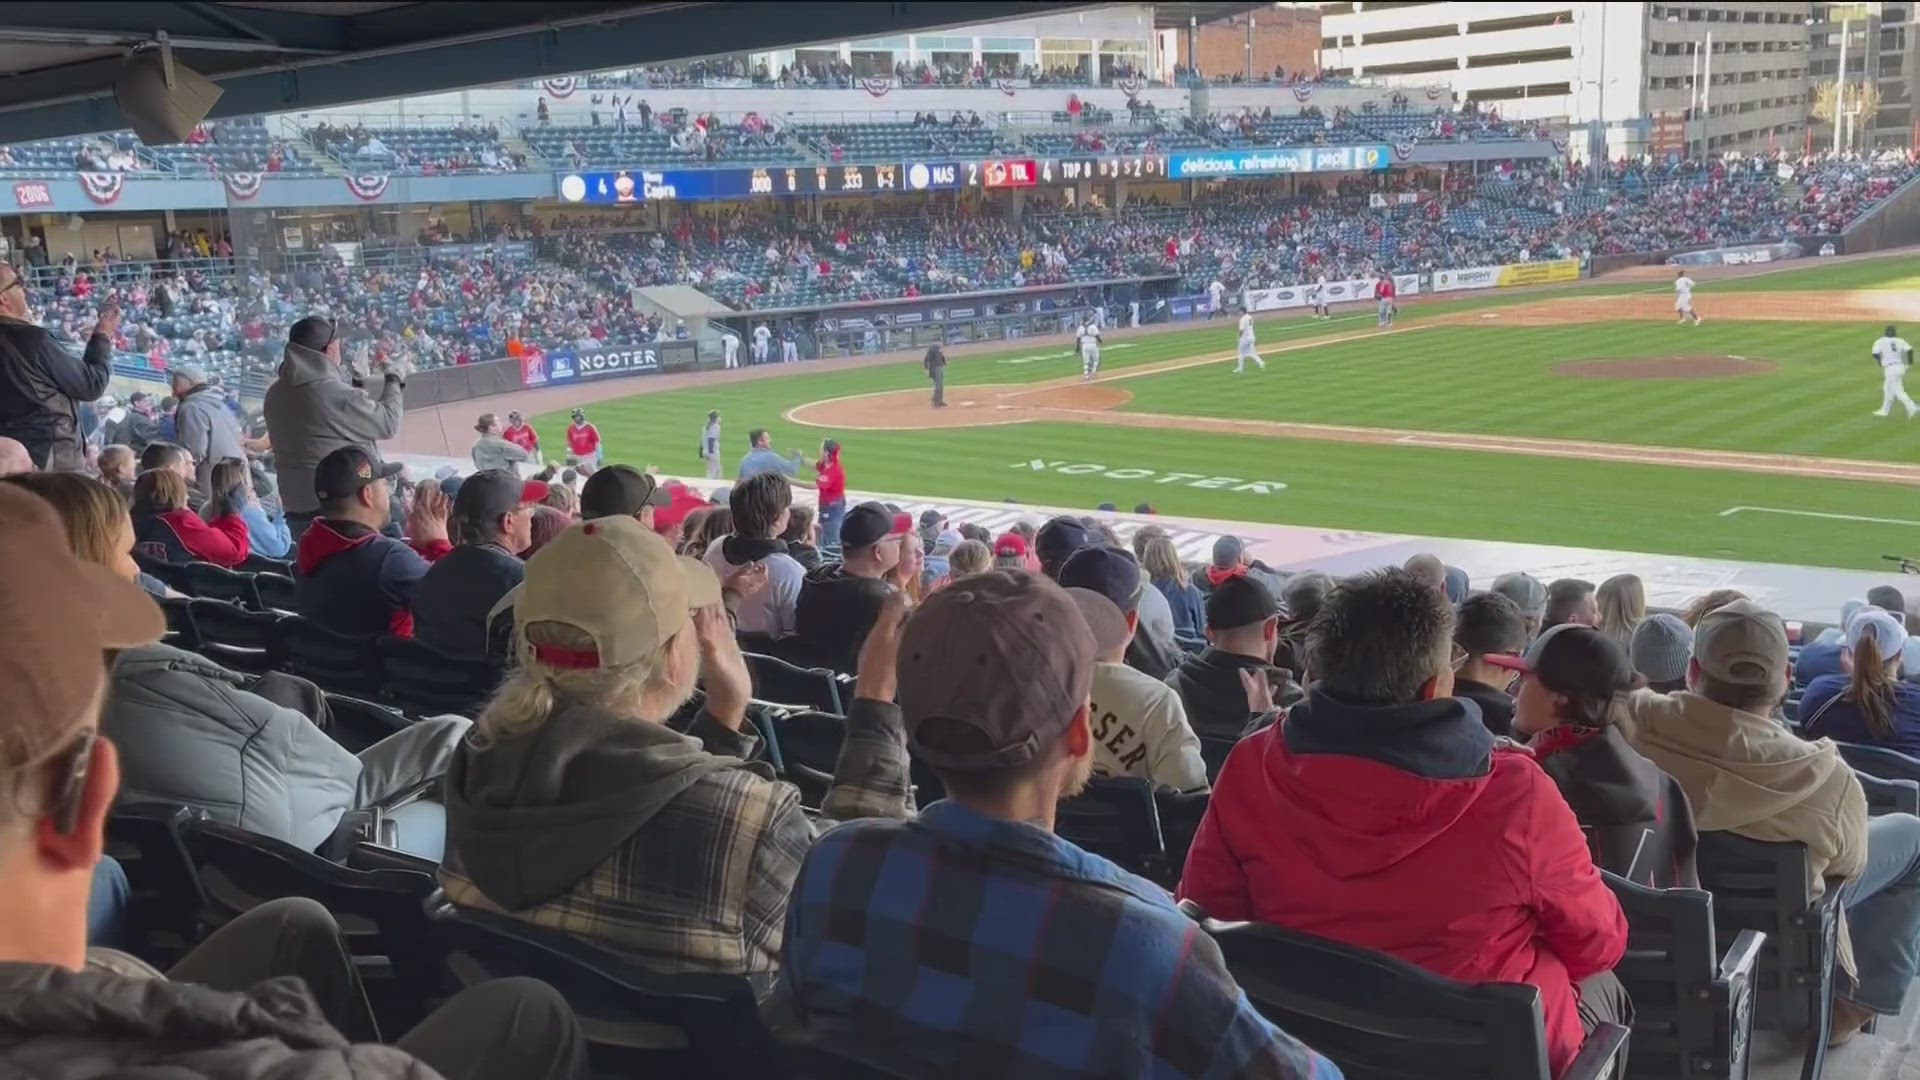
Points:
(1664, 368)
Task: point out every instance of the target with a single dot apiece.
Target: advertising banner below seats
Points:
(1502, 277)
(1343, 291)
(614, 361)
(1741, 255)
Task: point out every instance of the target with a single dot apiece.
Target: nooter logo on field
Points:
(1183, 479)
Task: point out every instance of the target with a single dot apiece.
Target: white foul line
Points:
(1732, 510)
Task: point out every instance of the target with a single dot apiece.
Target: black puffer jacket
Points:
(1209, 686)
(82, 1025)
(41, 388)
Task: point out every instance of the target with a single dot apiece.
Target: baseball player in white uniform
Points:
(730, 346)
(1089, 350)
(1894, 355)
(1683, 298)
(761, 336)
(1317, 292)
(1216, 298)
(1246, 345)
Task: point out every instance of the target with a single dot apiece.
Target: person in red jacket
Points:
(521, 434)
(1380, 812)
(833, 494)
(166, 529)
(1383, 294)
(583, 441)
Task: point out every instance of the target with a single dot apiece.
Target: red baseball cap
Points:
(1011, 545)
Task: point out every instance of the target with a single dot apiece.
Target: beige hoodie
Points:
(1749, 775)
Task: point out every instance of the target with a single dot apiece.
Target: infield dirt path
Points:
(1073, 400)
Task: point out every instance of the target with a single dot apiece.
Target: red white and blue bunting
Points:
(103, 188)
(368, 188)
(243, 186)
(876, 85)
(1303, 92)
(562, 87)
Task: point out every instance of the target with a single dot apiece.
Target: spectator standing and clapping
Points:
(203, 424)
(316, 407)
(42, 385)
(1462, 858)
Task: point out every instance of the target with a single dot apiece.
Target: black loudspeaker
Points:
(161, 98)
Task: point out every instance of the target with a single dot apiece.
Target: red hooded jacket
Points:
(1458, 857)
(181, 536)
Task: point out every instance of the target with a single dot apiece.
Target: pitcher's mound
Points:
(1664, 367)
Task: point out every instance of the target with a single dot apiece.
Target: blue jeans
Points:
(107, 905)
(831, 515)
(1883, 914)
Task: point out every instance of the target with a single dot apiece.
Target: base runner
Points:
(1246, 346)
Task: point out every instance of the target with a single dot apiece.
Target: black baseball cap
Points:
(1109, 571)
(1570, 659)
(1058, 539)
(347, 470)
(1239, 601)
(869, 523)
(620, 491)
(489, 493)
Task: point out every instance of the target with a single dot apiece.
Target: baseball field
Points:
(1581, 416)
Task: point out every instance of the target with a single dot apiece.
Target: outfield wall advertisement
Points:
(1507, 276)
(1344, 291)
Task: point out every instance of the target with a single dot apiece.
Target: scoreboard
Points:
(991, 174)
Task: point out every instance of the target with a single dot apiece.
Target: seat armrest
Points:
(1597, 1054)
(1740, 959)
(367, 855)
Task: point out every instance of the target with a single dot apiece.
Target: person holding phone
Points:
(42, 385)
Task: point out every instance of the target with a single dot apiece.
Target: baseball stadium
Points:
(581, 539)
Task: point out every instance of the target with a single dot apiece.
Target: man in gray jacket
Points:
(204, 424)
(317, 406)
(193, 733)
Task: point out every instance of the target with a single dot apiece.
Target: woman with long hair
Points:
(716, 526)
(492, 450)
(1867, 703)
(232, 486)
(1623, 603)
(166, 529)
(1572, 698)
(1163, 568)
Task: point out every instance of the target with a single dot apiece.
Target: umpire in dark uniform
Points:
(936, 362)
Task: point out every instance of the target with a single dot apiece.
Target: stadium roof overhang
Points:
(1180, 16)
(58, 61)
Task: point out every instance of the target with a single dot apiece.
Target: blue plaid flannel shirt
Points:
(972, 946)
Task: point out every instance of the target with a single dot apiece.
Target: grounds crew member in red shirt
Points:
(521, 434)
(833, 494)
(583, 440)
(1383, 294)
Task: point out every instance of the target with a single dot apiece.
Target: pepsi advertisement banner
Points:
(1280, 161)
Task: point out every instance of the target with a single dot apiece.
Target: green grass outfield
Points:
(1489, 379)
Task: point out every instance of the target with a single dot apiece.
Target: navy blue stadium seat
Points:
(1692, 1004)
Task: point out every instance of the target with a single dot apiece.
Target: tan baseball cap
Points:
(1742, 644)
(71, 611)
(617, 582)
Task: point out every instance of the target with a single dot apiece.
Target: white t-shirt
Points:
(1140, 728)
(1246, 328)
(1683, 289)
(1893, 353)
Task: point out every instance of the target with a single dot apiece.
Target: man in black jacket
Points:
(1243, 626)
(1489, 625)
(936, 362)
(491, 524)
(840, 601)
(42, 385)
